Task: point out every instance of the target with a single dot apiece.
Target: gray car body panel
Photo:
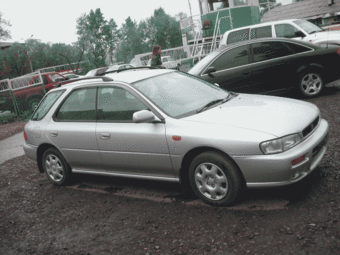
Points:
(149, 150)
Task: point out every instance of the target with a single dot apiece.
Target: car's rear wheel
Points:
(215, 178)
(56, 168)
(311, 83)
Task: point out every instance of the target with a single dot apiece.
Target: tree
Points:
(97, 36)
(4, 33)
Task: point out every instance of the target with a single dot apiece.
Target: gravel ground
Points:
(101, 215)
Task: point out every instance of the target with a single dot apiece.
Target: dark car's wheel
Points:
(56, 167)
(311, 83)
(215, 178)
(33, 103)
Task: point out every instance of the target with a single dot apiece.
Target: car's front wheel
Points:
(215, 178)
(311, 84)
(56, 168)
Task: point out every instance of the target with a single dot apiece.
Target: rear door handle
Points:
(247, 73)
(105, 136)
(54, 133)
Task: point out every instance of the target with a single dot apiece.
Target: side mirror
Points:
(143, 116)
(299, 34)
(216, 84)
(211, 70)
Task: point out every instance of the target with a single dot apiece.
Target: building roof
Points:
(4, 45)
(307, 9)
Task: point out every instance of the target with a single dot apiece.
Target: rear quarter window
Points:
(237, 36)
(45, 105)
(296, 48)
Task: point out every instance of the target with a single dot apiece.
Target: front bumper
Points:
(277, 169)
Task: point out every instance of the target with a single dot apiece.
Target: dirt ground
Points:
(101, 215)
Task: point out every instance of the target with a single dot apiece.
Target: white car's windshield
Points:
(307, 26)
(179, 94)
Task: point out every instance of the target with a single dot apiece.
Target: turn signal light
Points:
(298, 160)
(176, 138)
(25, 136)
(338, 52)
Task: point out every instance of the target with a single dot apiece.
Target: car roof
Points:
(125, 76)
(262, 24)
(266, 39)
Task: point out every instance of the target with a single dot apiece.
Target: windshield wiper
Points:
(315, 31)
(222, 100)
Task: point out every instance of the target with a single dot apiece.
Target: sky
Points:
(55, 21)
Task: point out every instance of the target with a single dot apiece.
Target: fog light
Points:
(298, 160)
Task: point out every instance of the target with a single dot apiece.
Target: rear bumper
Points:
(277, 170)
(30, 151)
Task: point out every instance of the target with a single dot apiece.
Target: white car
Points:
(294, 28)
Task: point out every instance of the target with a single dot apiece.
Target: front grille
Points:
(309, 129)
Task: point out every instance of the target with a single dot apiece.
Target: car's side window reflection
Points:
(79, 106)
(117, 104)
(269, 50)
(232, 58)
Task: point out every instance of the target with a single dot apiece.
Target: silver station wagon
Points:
(166, 125)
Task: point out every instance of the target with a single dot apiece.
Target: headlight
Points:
(280, 144)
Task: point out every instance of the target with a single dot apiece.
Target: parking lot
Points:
(102, 215)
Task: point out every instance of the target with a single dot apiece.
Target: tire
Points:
(56, 168)
(33, 103)
(215, 178)
(311, 83)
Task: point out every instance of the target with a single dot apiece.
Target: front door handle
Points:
(54, 133)
(105, 136)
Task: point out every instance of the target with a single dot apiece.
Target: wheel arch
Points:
(40, 152)
(190, 155)
(313, 66)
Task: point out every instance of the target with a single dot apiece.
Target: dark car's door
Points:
(275, 65)
(232, 70)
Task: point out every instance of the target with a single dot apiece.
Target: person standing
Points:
(156, 60)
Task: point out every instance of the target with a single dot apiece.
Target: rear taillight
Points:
(25, 136)
(338, 52)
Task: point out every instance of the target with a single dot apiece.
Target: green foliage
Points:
(159, 29)
(97, 37)
(4, 32)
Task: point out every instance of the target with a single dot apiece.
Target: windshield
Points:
(307, 26)
(179, 94)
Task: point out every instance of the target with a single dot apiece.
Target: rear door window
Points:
(237, 36)
(269, 50)
(261, 32)
(232, 58)
(79, 106)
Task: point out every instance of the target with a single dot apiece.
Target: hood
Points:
(268, 114)
(331, 36)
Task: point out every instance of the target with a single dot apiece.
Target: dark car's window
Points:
(232, 58)
(240, 35)
(296, 48)
(117, 104)
(269, 50)
(46, 104)
(285, 30)
(79, 106)
(261, 32)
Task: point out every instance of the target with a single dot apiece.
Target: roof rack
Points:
(132, 68)
(83, 78)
